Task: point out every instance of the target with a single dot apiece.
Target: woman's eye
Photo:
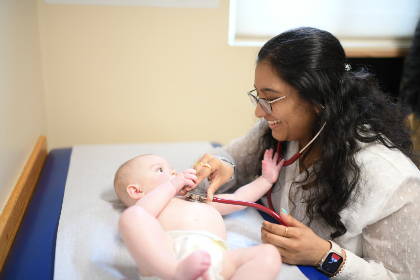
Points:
(159, 170)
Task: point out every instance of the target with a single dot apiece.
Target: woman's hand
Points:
(270, 167)
(300, 246)
(218, 171)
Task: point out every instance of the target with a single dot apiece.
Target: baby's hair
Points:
(123, 177)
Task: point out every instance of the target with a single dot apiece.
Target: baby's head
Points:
(140, 175)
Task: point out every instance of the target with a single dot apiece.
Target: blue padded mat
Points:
(32, 253)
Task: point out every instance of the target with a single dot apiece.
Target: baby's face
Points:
(154, 171)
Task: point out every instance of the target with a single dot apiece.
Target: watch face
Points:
(332, 263)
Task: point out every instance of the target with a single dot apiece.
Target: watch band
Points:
(336, 250)
(234, 168)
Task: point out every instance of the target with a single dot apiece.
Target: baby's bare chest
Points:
(180, 214)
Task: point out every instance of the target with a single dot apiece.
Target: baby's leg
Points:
(257, 262)
(152, 248)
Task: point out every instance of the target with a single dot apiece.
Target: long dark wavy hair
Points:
(355, 109)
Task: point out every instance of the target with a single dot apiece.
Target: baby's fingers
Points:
(280, 164)
(268, 155)
(190, 184)
(189, 171)
(191, 177)
(276, 157)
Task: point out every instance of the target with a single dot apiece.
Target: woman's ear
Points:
(318, 109)
(135, 191)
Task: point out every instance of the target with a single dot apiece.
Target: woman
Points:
(355, 183)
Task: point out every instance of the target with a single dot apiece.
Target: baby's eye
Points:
(159, 170)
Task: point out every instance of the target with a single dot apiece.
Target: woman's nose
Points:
(259, 112)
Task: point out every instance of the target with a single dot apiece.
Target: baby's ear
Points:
(135, 191)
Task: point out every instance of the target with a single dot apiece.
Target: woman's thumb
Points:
(211, 190)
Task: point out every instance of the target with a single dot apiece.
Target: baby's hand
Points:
(270, 167)
(187, 177)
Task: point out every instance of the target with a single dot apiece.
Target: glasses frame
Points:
(257, 100)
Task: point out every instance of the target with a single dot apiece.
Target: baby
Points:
(172, 238)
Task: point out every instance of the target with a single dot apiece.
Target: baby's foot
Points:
(193, 266)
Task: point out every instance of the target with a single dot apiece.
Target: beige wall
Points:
(22, 108)
(143, 74)
(106, 74)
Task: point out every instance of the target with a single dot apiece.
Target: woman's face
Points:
(292, 117)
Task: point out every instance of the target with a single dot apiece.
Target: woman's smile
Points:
(273, 124)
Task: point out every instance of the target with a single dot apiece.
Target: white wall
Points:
(22, 108)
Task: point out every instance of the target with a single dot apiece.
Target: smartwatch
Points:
(332, 260)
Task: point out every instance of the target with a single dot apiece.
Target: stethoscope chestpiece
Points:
(196, 195)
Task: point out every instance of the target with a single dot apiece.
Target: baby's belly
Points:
(180, 214)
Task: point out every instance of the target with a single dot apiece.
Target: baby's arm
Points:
(254, 190)
(154, 201)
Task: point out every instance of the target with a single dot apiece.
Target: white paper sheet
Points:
(88, 243)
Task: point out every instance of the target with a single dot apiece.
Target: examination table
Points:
(33, 253)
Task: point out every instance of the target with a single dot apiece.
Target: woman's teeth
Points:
(273, 122)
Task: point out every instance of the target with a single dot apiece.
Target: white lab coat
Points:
(383, 232)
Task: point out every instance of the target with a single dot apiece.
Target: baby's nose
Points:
(173, 172)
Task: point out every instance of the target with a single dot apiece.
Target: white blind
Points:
(356, 23)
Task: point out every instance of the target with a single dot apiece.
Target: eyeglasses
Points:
(265, 105)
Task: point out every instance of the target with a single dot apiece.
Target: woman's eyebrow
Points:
(268, 89)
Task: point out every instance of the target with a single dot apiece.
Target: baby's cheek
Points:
(163, 179)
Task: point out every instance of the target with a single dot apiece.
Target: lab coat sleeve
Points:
(386, 215)
(391, 246)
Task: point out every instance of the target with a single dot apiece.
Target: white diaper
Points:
(187, 242)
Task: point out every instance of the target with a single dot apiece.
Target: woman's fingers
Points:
(297, 244)
(218, 171)
(220, 175)
(209, 167)
(279, 230)
(214, 185)
(276, 234)
(286, 247)
(203, 170)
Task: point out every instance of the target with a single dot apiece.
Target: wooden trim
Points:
(15, 208)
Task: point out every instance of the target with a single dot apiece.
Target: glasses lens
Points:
(253, 99)
(265, 106)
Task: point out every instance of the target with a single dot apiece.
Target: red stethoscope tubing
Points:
(270, 210)
(267, 210)
(286, 163)
(253, 205)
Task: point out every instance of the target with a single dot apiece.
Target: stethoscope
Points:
(201, 195)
